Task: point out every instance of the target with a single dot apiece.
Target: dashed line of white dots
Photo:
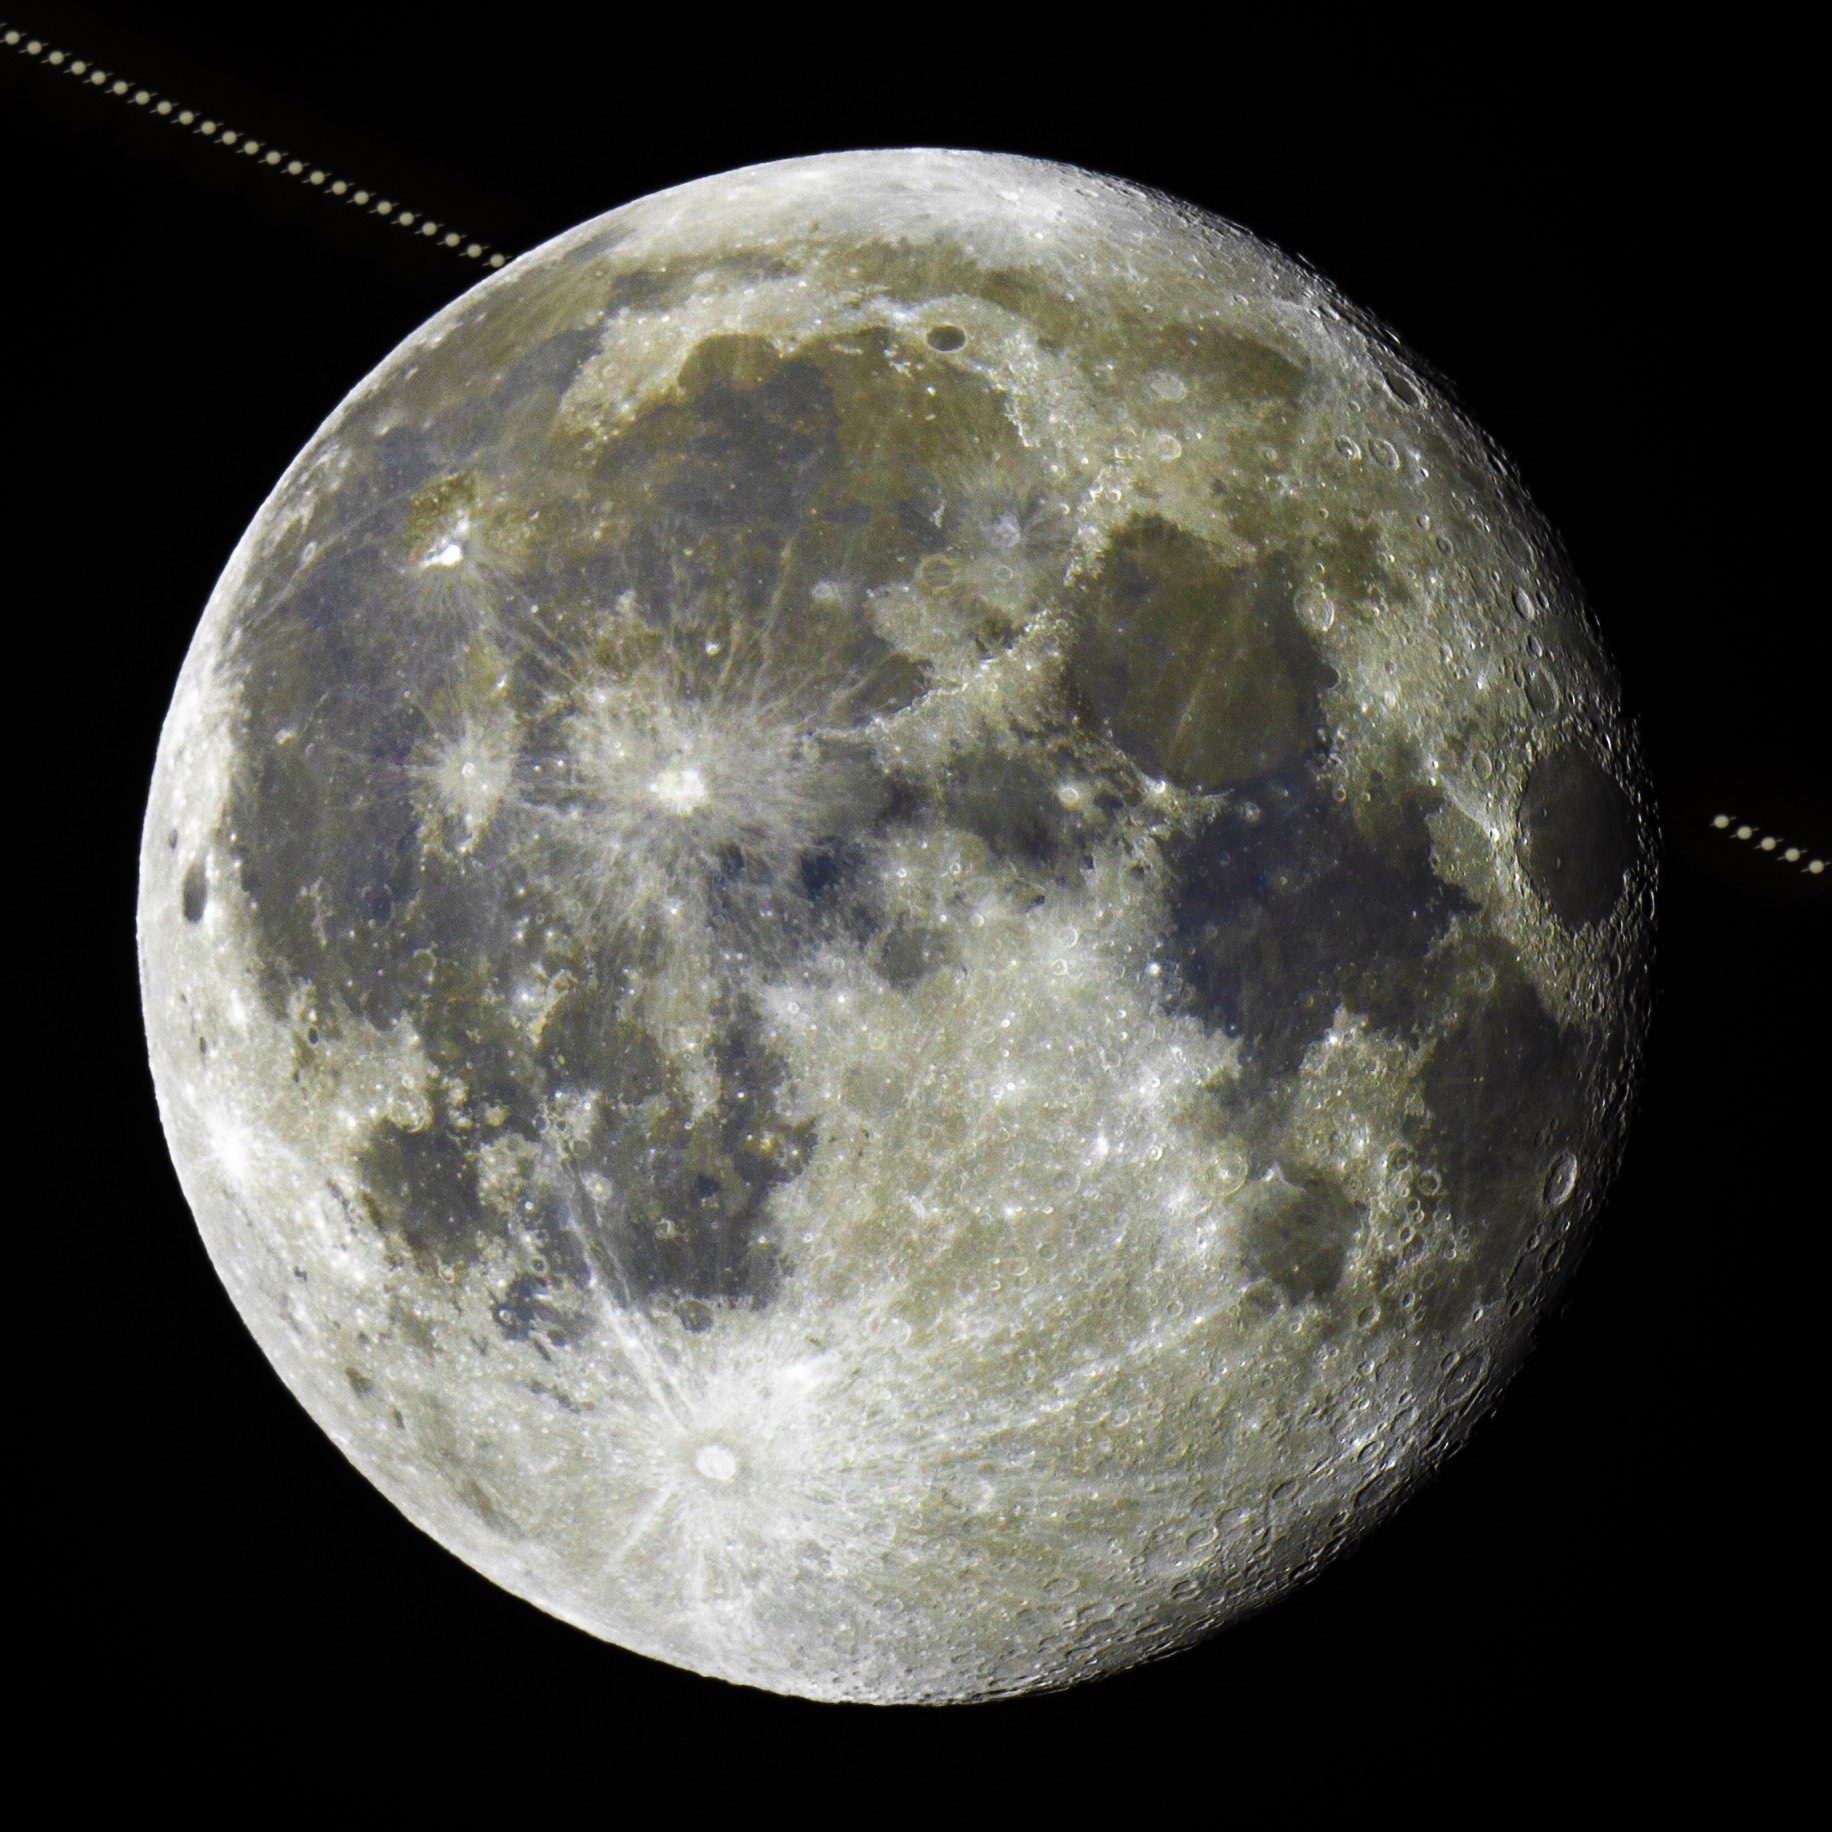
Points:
(1767, 842)
(213, 130)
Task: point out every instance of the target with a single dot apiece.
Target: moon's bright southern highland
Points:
(892, 920)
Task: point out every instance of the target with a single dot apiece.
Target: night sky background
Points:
(1599, 245)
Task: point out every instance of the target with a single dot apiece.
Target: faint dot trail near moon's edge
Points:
(208, 127)
(1769, 843)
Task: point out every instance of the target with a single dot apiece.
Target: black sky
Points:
(1601, 244)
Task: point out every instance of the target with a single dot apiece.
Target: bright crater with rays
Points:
(893, 921)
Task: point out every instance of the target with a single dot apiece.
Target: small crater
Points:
(1542, 692)
(1230, 1169)
(1461, 1378)
(1401, 389)
(716, 1463)
(1561, 1180)
(946, 337)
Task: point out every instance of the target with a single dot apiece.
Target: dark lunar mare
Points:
(749, 482)
(1283, 911)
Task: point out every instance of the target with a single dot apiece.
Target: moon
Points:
(893, 923)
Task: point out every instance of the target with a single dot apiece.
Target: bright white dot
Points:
(716, 1463)
(451, 554)
(680, 790)
(233, 1149)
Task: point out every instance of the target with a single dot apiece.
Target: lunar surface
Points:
(893, 922)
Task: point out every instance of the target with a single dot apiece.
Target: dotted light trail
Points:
(1769, 843)
(272, 158)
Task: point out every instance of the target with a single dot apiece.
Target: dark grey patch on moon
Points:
(1283, 911)
(1200, 671)
(652, 1204)
(909, 951)
(323, 828)
(1011, 802)
(840, 894)
(1499, 1087)
(689, 1193)
(194, 894)
(419, 1184)
(527, 1312)
(1579, 838)
(1298, 1234)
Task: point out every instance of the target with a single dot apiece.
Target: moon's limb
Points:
(891, 922)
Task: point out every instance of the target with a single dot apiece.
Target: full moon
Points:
(893, 922)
